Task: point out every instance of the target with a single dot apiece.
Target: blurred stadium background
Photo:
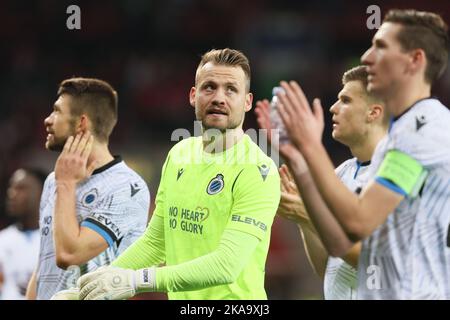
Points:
(149, 50)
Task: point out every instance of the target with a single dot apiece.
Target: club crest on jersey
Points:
(215, 185)
(89, 197)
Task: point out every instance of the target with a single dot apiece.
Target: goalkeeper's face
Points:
(220, 96)
(60, 124)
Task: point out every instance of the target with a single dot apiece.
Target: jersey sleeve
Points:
(45, 195)
(401, 173)
(340, 170)
(147, 251)
(256, 195)
(160, 195)
(427, 145)
(120, 210)
(222, 266)
(2, 250)
(411, 152)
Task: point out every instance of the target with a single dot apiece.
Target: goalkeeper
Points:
(215, 205)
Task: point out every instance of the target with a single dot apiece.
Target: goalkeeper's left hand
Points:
(112, 283)
(69, 294)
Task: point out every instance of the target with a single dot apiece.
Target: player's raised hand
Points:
(286, 150)
(287, 181)
(72, 164)
(291, 206)
(304, 126)
(262, 111)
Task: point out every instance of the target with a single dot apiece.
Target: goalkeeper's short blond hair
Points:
(227, 57)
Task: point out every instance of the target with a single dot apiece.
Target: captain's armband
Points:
(401, 173)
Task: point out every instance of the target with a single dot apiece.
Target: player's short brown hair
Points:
(97, 99)
(426, 31)
(358, 73)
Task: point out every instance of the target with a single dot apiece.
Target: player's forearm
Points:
(315, 251)
(343, 204)
(331, 233)
(148, 250)
(31, 288)
(66, 229)
(220, 267)
(352, 256)
(2, 280)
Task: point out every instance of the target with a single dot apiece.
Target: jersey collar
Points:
(410, 107)
(362, 164)
(113, 162)
(394, 119)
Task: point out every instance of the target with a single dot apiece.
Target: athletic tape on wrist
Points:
(146, 280)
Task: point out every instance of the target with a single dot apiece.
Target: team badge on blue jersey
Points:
(215, 185)
(89, 197)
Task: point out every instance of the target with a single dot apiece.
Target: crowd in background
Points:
(148, 50)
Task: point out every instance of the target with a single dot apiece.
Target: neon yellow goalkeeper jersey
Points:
(202, 194)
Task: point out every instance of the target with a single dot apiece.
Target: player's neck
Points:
(364, 150)
(28, 223)
(215, 141)
(101, 154)
(406, 96)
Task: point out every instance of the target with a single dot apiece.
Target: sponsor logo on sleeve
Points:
(134, 189)
(264, 170)
(106, 223)
(180, 172)
(250, 221)
(420, 122)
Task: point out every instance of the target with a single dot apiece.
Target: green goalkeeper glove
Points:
(112, 283)
(69, 294)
